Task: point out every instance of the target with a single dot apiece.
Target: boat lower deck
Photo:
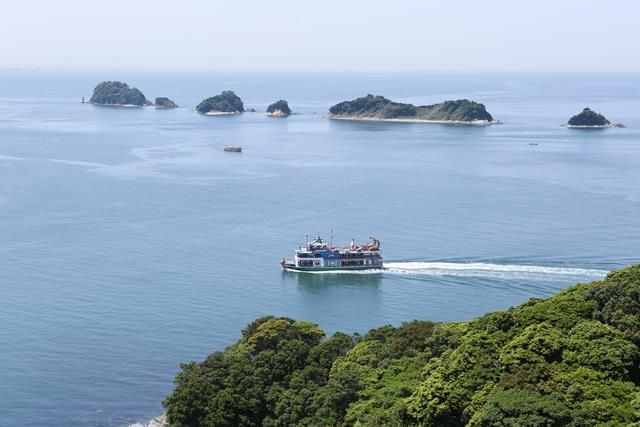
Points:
(292, 267)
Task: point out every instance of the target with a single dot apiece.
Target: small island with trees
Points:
(589, 119)
(165, 103)
(379, 108)
(225, 103)
(279, 109)
(114, 93)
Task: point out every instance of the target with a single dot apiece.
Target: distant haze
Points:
(328, 35)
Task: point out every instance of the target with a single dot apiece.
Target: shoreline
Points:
(442, 122)
(221, 113)
(279, 114)
(117, 105)
(160, 421)
(591, 127)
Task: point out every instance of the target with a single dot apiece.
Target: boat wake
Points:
(489, 270)
(481, 269)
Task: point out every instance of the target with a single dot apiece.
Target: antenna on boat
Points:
(306, 241)
(331, 241)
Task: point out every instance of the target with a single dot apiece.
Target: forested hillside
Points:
(571, 359)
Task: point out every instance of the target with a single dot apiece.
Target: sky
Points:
(327, 35)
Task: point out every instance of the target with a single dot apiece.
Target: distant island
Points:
(590, 119)
(568, 360)
(165, 103)
(380, 108)
(279, 109)
(225, 103)
(118, 94)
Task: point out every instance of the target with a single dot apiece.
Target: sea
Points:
(130, 242)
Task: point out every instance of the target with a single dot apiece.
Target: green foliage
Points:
(378, 107)
(537, 344)
(600, 347)
(618, 302)
(226, 102)
(117, 93)
(588, 117)
(280, 105)
(521, 407)
(570, 360)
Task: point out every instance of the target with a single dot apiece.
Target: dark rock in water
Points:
(279, 109)
(250, 110)
(227, 102)
(163, 102)
(378, 107)
(588, 118)
(117, 93)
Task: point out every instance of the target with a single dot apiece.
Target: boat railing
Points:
(360, 255)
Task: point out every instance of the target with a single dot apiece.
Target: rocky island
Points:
(165, 103)
(380, 108)
(279, 109)
(225, 103)
(589, 119)
(115, 93)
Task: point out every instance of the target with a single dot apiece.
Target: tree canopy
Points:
(164, 102)
(588, 117)
(379, 107)
(569, 360)
(225, 102)
(117, 93)
(280, 105)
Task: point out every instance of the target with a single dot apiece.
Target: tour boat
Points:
(318, 255)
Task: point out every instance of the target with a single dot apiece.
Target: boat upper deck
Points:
(319, 248)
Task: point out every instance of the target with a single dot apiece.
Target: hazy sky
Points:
(462, 35)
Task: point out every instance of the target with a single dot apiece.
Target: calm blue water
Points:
(130, 242)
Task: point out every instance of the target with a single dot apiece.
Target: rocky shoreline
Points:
(160, 421)
(617, 125)
(442, 122)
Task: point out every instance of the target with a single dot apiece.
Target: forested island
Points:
(372, 107)
(226, 102)
(117, 94)
(164, 103)
(571, 359)
(590, 119)
(279, 109)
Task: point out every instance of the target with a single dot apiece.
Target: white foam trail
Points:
(5, 157)
(481, 269)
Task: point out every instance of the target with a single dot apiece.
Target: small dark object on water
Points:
(233, 148)
(533, 143)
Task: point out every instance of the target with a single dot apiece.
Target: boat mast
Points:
(331, 241)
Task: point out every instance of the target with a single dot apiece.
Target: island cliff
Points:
(117, 94)
(279, 109)
(225, 103)
(373, 107)
(589, 119)
(569, 360)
